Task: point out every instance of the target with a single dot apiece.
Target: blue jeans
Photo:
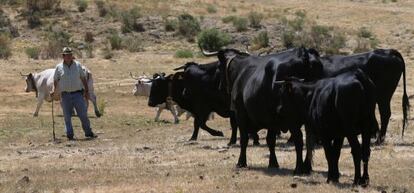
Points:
(75, 100)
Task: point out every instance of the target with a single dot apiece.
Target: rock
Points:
(207, 147)
(293, 185)
(201, 177)
(168, 174)
(383, 191)
(24, 180)
(25, 170)
(222, 150)
(60, 156)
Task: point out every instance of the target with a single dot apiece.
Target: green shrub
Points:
(228, 19)
(33, 20)
(56, 39)
(211, 8)
(213, 39)
(363, 32)
(33, 52)
(5, 50)
(102, 8)
(129, 18)
(255, 19)
(183, 54)
(188, 26)
(262, 40)
(115, 41)
(240, 24)
(170, 24)
(133, 44)
(82, 5)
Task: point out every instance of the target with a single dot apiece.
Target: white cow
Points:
(42, 84)
(143, 88)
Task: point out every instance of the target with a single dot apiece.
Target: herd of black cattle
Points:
(332, 96)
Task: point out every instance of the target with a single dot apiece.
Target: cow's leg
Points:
(40, 99)
(337, 145)
(310, 142)
(385, 113)
(233, 124)
(92, 97)
(174, 113)
(208, 129)
(327, 146)
(157, 116)
(356, 155)
(196, 128)
(244, 138)
(255, 138)
(298, 139)
(366, 152)
(271, 143)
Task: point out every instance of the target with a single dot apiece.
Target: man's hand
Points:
(86, 94)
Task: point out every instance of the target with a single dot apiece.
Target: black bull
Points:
(249, 80)
(384, 67)
(195, 90)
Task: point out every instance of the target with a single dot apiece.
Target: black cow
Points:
(384, 67)
(196, 90)
(250, 79)
(333, 108)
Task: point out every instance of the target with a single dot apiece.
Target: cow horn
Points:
(179, 68)
(130, 74)
(206, 53)
(23, 74)
(280, 82)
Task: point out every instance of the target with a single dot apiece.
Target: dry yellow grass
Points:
(134, 154)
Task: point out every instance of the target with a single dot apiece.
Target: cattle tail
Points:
(405, 101)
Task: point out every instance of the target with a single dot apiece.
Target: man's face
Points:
(67, 58)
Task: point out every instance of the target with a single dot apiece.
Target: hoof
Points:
(176, 121)
(241, 165)
(98, 114)
(218, 133)
(193, 139)
(231, 143)
(273, 166)
(35, 115)
(256, 143)
(380, 140)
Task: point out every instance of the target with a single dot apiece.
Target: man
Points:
(70, 81)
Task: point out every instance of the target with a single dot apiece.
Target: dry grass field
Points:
(135, 154)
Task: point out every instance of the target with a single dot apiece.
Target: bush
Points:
(82, 5)
(228, 19)
(33, 52)
(363, 32)
(115, 41)
(183, 54)
(188, 26)
(129, 20)
(102, 8)
(133, 44)
(170, 25)
(211, 8)
(89, 37)
(33, 20)
(213, 39)
(255, 19)
(5, 50)
(107, 52)
(89, 50)
(56, 40)
(240, 24)
(261, 41)
(42, 5)
(6, 26)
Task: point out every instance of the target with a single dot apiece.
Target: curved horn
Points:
(130, 74)
(279, 82)
(23, 74)
(206, 53)
(179, 68)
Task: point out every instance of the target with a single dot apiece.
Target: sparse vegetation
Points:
(5, 50)
(107, 54)
(366, 40)
(82, 5)
(261, 40)
(102, 8)
(133, 44)
(6, 25)
(115, 41)
(33, 20)
(89, 37)
(255, 19)
(56, 39)
(213, 39)
(183, 54)
(33, 52)
(170, 24)
(89, 50)
(211, 8)
(188, 26)
(129, 20)
(228, 19)
(240, 24)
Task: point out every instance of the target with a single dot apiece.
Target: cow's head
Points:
(312, 66)
(225, 57)
(30, 82)
(290, 100)
(159, 89)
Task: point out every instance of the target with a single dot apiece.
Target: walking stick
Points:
(53, 122)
